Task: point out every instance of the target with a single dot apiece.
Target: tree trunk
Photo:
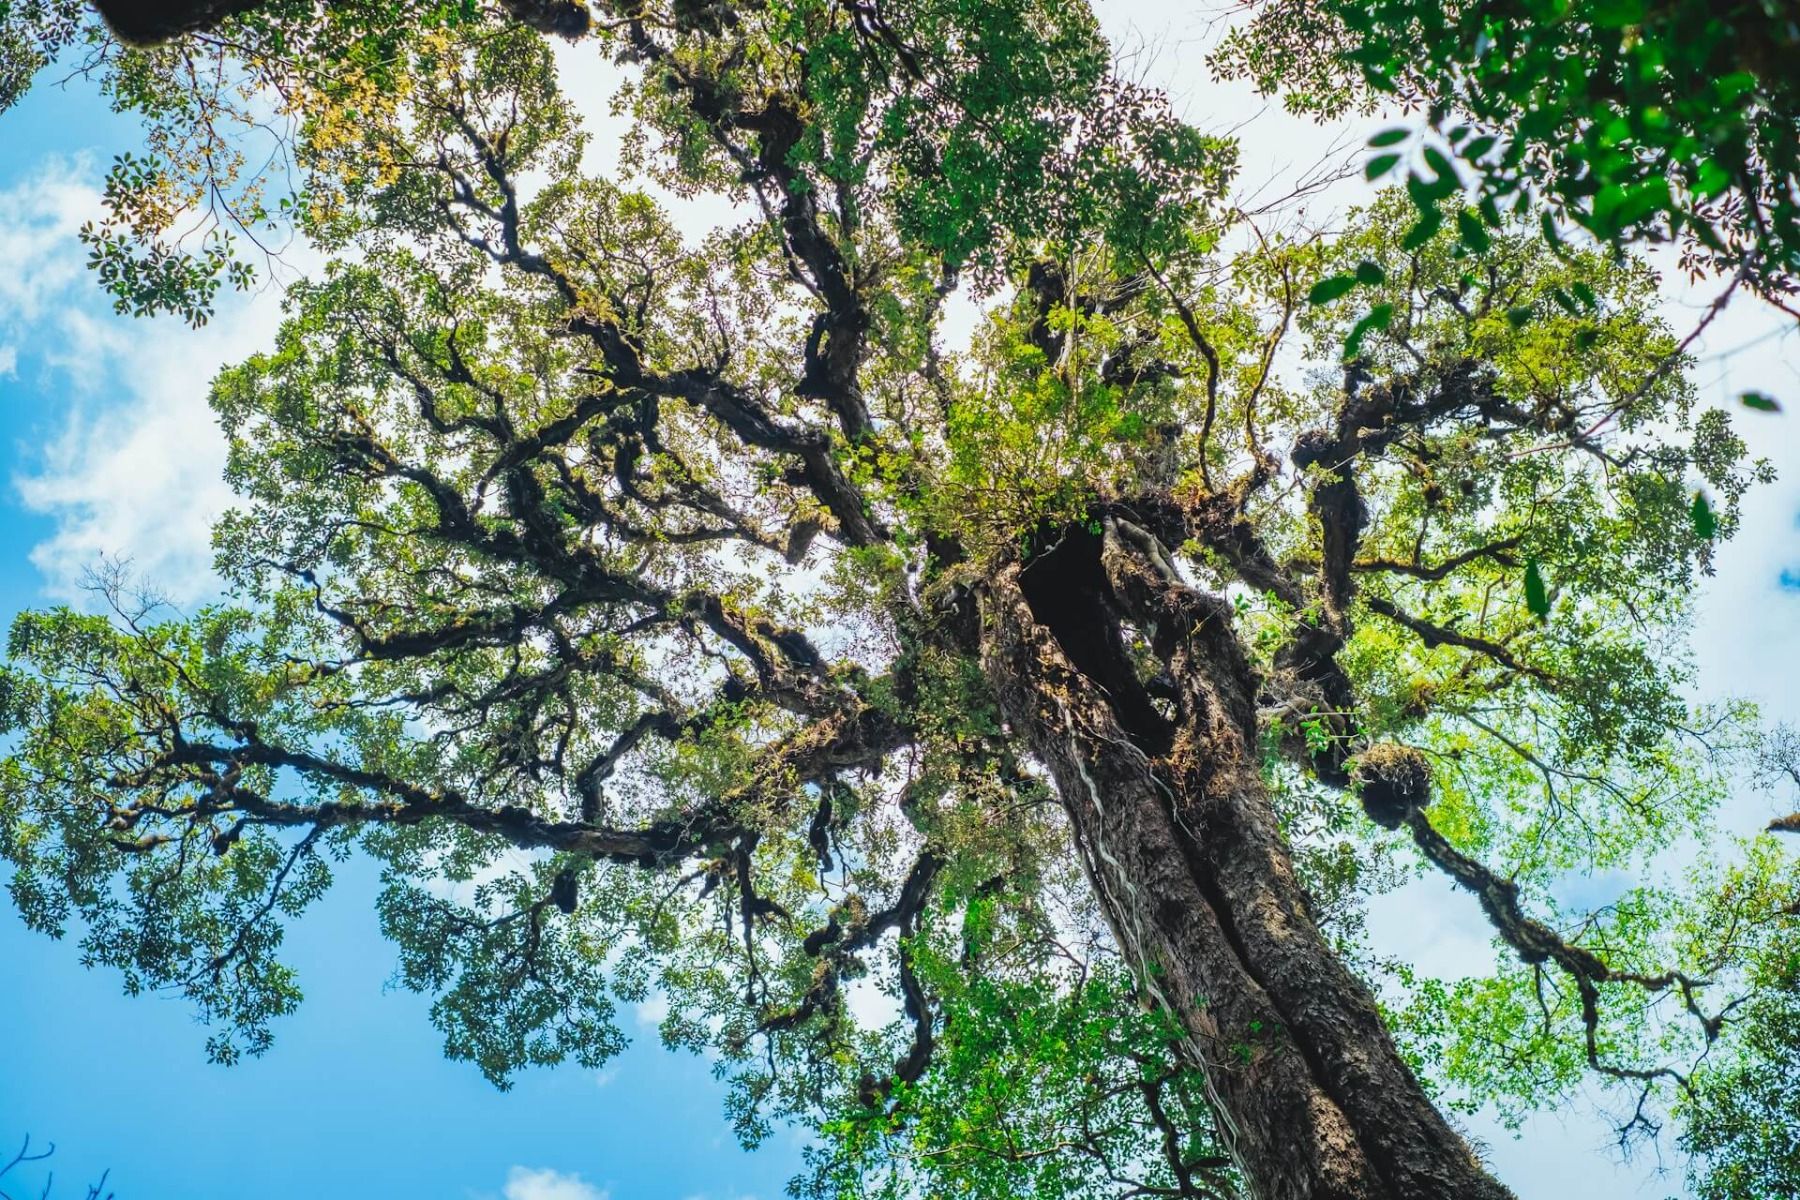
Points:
(1174, 824)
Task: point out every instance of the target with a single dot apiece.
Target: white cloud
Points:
(590, 82)
(1746, 632)
(138, 474)
(506, 861)
(524, 1183)
(134, 467)
(1434, 925)
(654, 1011)
(605, 1077)
(38, 240)
(870, 1007)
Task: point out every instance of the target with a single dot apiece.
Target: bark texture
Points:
(1163, 785)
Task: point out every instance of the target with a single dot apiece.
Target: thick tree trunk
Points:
(1176, 830)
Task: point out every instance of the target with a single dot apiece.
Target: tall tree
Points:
(1079, 683)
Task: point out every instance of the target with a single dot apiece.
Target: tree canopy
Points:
(1073, 689)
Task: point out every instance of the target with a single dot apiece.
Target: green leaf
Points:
(1711, 179)
(1478, 148)
(1607, 201)
(1423, 230)
(1380, 165)
(1615, 14)
(1537, 596)
(1734, 86)
(1760, 401)
(1706, 521)
(1390, 137)
(1327, 290)
(1370, 274)
(1473, 233)
(1517, 317)
(1447, 180)
(1378, 317)
(1420, 192)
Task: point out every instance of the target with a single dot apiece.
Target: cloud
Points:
(654, 1011)
(506, 861)
(38, 240)
(869, 1005)
(1435, 926)
(132, 466)
(523, 1183)
(138, 473)
(590, 84)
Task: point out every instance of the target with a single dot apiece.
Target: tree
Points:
(1076, 686)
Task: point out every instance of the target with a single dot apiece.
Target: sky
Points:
(107, 448)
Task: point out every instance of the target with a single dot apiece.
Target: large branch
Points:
(1370, 419)
(784, 659)
(738, 410)
(838, 341)
(1497, 550)
(1434, 636)
(854, 739)
(1535, 943)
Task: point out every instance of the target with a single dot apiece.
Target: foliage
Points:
(232, 118)
(1631, 119)
(1739, 1112)
(1044, 1087)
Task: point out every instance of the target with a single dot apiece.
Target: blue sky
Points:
(107, 447)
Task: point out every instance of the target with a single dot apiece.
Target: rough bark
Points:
(1176, 830)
